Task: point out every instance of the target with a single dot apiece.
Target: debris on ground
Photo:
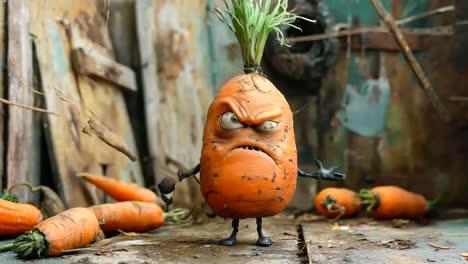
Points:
(398, 244)
(437, 247)
(398, 223)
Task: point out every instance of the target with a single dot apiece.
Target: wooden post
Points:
(2, 93)
(20, 74)
(144, 14)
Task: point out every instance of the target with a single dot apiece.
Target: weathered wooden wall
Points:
(183, 86)
(60, 29)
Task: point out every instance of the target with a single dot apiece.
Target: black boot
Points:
(262, 241)
(231, 240)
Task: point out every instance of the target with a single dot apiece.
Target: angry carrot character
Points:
(248, 166)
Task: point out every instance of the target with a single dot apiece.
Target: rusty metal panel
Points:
(421, 152)
(415, 150)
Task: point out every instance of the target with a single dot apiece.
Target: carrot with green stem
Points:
(17, 218)
(134, 216)
(119, 190)
(389, 202)
(8, 197)
(72, 229)
(337, 203)
(51, 203)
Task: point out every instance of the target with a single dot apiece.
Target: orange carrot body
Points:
(342, 198)
(73, 228)
(250, 170)
(129, 216)
(17, 218)
(395, 202)
(119, 190)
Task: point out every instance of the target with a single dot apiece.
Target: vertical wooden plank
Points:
(19, 79)
(179, 43)
(144, 15)
(2, 93)
(123, 31)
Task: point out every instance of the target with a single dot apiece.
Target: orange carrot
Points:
(389, 202)
(337, 203)
(51, 203)
(248, 165)
(119, 190)
(71, 229)
(17, 218)
(131, 216)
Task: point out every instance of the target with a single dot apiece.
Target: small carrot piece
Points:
(17, 218)
(71, 229)
(131, 216)
(337, 202)
(119, 190)
(389, 202)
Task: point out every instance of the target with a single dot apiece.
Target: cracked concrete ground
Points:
(312, 240)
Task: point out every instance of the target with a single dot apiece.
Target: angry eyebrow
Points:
(253, 114)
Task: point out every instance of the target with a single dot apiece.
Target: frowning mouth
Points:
(252, 149)
(247, 147)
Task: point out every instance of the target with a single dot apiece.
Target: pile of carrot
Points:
(383, 202)
(63, 231)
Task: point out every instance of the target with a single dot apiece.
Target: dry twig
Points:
(93, 124)
(437, 247)
(433, 31)
(28, 107)
(436, 11)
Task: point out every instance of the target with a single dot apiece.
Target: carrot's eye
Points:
(229, 121)
(268, 126)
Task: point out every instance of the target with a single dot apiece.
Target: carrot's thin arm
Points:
(324, 174)
(185, 174)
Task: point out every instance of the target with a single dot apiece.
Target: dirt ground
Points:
(309, 239)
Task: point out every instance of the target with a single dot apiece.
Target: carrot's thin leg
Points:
(262, 241)
(232, 239)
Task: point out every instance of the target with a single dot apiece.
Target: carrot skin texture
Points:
(73, 228)
(119, 190)
(17, 218)
(343, 197)
(131, 216)
(240, 183)
(396, 202)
